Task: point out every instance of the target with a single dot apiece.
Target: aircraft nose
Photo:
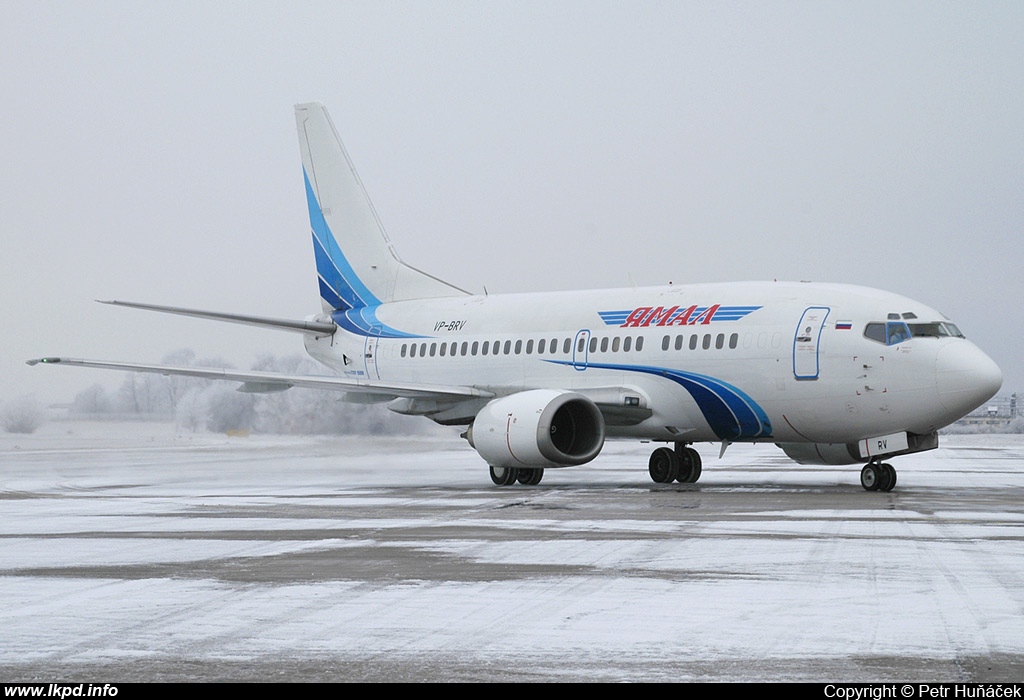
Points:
(966, 377)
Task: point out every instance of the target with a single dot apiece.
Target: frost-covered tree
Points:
(21, 415)
(202, 404)
(1016, 425)
(143, 393)
(94, 399)
(177, 386)
(228, 409)
(322, 412)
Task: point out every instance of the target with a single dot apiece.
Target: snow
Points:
(133, 542)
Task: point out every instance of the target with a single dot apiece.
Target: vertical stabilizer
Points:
(355, 261)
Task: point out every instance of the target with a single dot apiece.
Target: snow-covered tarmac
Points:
(130, 552)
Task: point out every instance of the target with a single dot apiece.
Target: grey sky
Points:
(148, 153)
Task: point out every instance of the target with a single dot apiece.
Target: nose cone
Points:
(965, 377)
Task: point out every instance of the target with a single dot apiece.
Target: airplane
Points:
(833, 374)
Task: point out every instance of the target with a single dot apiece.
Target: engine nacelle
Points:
(538, 428)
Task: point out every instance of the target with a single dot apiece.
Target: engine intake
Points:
(538, 428)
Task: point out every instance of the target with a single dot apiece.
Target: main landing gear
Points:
(878, 476)
(681, 464)
(506, 476)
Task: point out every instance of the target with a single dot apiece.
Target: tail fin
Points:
(355, 261)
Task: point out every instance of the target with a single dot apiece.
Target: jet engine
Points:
(538, 428)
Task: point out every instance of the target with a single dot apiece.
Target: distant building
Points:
(999, 413)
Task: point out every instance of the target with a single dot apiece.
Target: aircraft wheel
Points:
(663, 465)
(871, 477)
(689, 465)
(885, 474)
(890, 477)
(530, 477)
(504, 476)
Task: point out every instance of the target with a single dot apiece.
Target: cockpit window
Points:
(935, 330)
(889, 333)
(894, 332)
(876, 332)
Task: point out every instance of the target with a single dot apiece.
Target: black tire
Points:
(689, 465)
(504, 476)
(663, 465)
(871, 477)
(890, 481)
(885, 476)
(530, 477)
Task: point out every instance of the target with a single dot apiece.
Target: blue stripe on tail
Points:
(340, 286)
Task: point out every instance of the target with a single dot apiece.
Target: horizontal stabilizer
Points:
(269, 381)
(314, 327)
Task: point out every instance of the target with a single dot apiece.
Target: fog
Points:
(149, 154)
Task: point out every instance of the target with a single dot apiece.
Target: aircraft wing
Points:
(259, 382)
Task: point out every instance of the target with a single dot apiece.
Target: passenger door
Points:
(807, 342)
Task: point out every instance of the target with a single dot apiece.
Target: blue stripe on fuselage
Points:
(731, 414)
(364, 321)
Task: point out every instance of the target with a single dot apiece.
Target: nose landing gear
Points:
(878, 476)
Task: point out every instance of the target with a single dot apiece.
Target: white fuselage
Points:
(793, 358)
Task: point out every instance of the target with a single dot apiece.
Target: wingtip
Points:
(43, 360)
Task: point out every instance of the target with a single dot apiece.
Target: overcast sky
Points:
(148, 153)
